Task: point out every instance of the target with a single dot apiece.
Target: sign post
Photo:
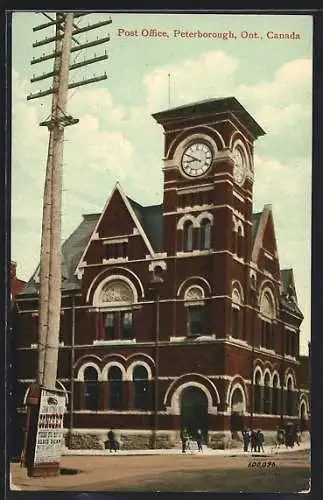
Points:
(44, 431)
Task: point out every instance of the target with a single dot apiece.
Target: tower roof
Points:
(211, 106)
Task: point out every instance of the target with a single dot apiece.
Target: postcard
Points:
(161, 251)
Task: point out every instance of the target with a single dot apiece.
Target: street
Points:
(284, 472)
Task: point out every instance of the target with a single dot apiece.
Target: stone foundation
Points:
(93, 439)
(129, 440)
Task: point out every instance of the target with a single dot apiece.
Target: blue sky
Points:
(118, 140)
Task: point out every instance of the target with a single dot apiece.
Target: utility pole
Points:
(50, 258)
(42, 451)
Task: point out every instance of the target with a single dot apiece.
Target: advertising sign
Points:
(50, 428)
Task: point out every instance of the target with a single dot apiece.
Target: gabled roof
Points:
(255, 225)
(288, 297)
(210, 106)
(151, 219)
(72, 250)
(134, 213)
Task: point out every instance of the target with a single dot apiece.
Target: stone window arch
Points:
(237, 400)
(195, 310)
(114, 299)
(81, 371)
(208, 388)
(115, 292)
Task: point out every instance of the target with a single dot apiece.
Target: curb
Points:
(269, 451)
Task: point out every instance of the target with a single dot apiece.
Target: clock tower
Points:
(208, 161)
(208, 195)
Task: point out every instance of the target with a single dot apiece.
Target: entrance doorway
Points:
(237, 411)
(194, 411)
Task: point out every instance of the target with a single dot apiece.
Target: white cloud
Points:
(285, 181)
(96, 102)
(207, 76)
(278, 119)
(292, 79)
(283, 101)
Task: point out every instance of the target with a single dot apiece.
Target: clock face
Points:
(239, 169)
(196, 159)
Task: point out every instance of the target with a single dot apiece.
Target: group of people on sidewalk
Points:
(287, 435)
(254, 439)
(186, 438)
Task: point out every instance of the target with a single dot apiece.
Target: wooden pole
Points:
(46, 226)
(54, 302)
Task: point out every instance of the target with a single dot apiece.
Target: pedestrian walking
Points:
(280, 439)
(253, 441)
(113, 444)
(260, 441)
(246, 439)
(185, 440)
(297, 436)
(199, 440)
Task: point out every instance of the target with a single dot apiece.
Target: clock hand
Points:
(193, 158)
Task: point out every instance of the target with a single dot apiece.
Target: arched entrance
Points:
(194, 410)
(237, 411)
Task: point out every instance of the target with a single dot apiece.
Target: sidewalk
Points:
(268, 450)
(91, 466)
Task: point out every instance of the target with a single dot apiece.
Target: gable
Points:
(269, 239)
(265, 252)
(118, 235)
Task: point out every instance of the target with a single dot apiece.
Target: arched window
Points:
(140, 388)
(267, 394)
(196, 313)
(235, 314)
(205, 234)
(240, 241)
(275, 395)
(117, 297)
(289, 398)
(188, 236)
(115, 388)
(91, 389)
(257, 393)
(267, 311)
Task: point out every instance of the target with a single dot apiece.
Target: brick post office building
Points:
(177, 314)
